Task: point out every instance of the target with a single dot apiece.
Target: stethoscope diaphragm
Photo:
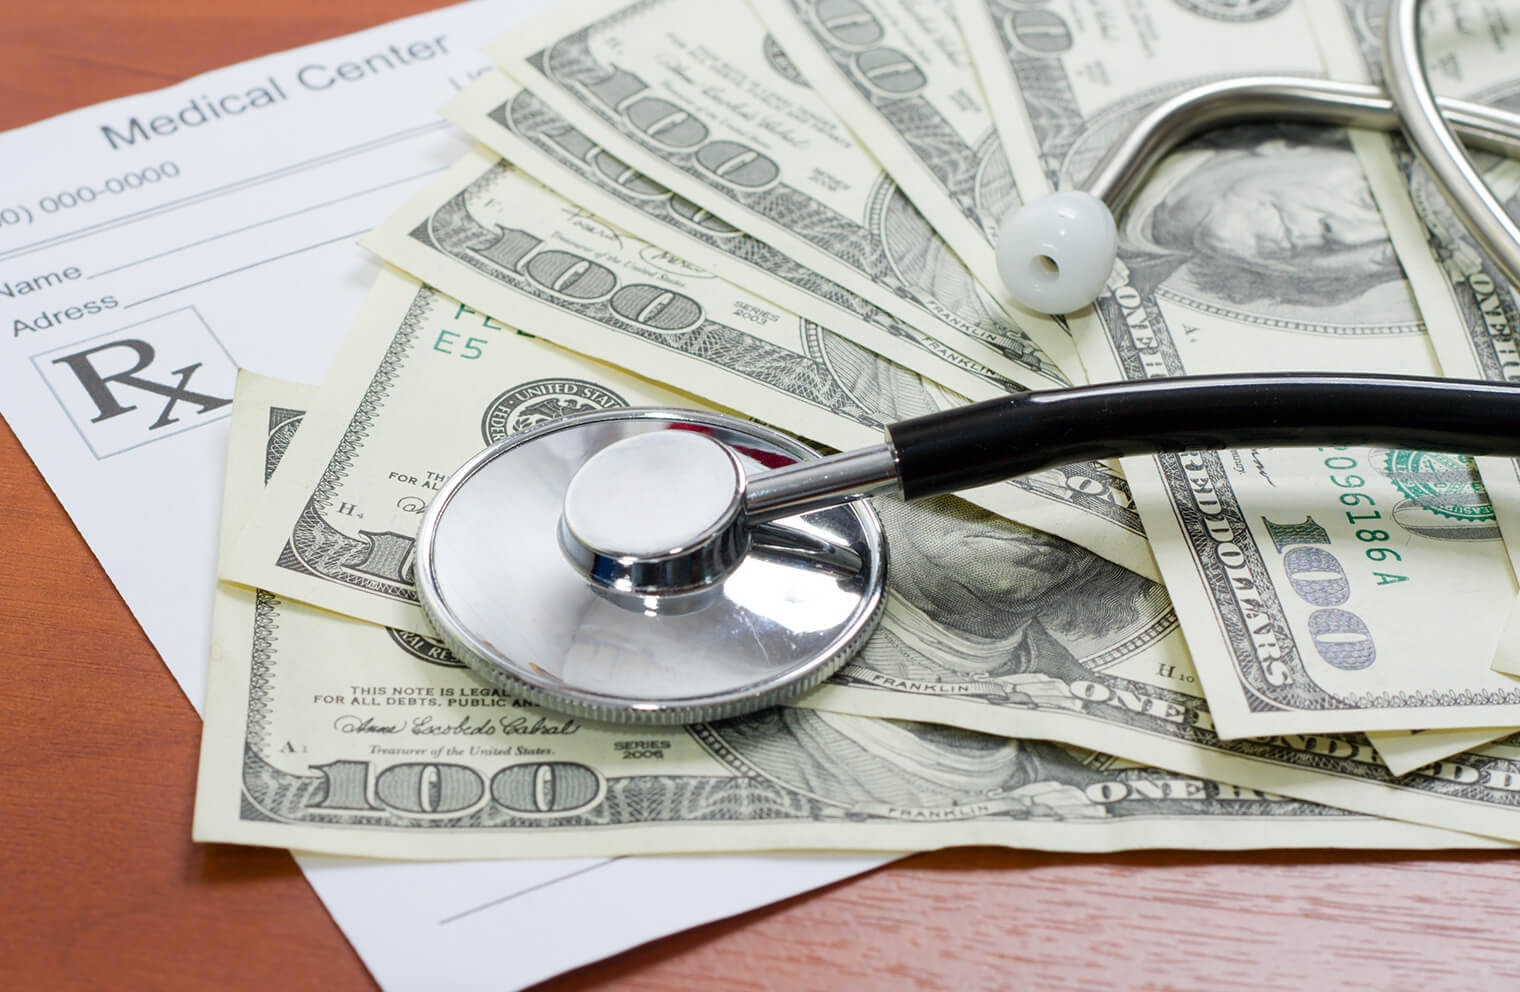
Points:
(509, 600)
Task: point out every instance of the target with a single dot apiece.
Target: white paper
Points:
(506, 924)
(152, 245)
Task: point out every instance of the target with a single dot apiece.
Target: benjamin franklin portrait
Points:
(1260, 215)
(882, 766)
(974, 596)
(1000, 598)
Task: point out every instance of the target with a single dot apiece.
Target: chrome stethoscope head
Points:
(620, 566)
(658, 520)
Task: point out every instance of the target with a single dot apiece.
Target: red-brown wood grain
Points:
(103, 888)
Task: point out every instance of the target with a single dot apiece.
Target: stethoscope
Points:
(672, 566)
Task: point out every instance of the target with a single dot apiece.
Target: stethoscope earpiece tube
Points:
(1129, 160)
(994, 440)
(1434, 142)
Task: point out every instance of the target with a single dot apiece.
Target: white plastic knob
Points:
(1056, 253)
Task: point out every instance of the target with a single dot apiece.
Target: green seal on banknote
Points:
(539, 402)
(1445, 484)
(428, 649)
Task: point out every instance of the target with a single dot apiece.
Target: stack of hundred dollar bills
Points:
(1215, 649)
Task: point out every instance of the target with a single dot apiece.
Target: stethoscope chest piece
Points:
(522, 570)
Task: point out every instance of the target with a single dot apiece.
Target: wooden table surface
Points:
(104, 889)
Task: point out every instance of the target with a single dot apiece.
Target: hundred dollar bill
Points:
(1022, 594)
(490, 236)
(899, 75)
(999, 629)
(329, 734)
(1468, 303)
(1320, 590)
(522, 129)
(699, 98)
(1012, 632)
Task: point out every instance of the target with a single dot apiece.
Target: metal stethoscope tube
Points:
(1056, 252)
(1432, 139)
(987, 442)
(1125, 166)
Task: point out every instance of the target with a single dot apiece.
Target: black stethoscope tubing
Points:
(998, 439)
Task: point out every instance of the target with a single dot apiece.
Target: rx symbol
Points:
(99, 385)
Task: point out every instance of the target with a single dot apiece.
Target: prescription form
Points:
(151, 246)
